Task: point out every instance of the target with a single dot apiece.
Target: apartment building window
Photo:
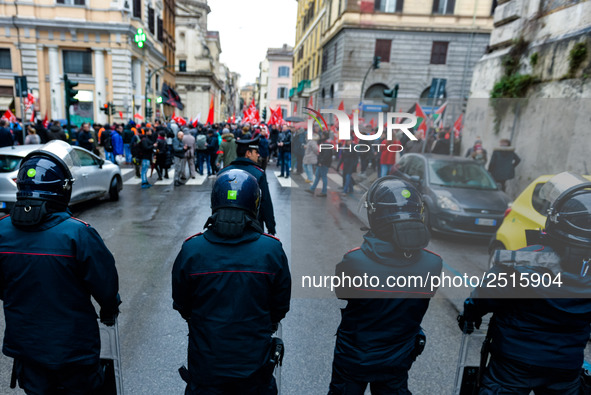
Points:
(389, 5)
(137, 9)
(71, 2)
(151, 20)
(5, 61)
(324, 61)
(382, 50)
(160, 30)
(439, 52)
(77, 62)
(443, 6)
(300, 53)
(282, 92)
(182, 66)
(493, 7)
(284, 71)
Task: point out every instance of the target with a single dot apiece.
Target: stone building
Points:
(94, 44)
(200, 74)
(416, 41)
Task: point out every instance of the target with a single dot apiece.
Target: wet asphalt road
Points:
(145, 230)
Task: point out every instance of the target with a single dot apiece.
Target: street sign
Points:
(375, 107)
(20, 83)
(437, 88)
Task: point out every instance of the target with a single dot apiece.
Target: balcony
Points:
(303, 84)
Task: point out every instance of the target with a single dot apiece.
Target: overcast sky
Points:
(248, 27)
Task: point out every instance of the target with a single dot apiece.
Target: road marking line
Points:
(126, 171)
(199, 180)
(336, 178)
(285, 182)
(133, 181)
(165, 181)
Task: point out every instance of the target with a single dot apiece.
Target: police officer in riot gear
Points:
(50, 266)
(380, 333)
(538, 336)
(248, 159)
(232, 284)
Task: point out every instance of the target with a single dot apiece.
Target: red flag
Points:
(29, 101)
(373, 123)
(233, 117)
(295, 107)
(33, 117)
(121, 114)
(45, 121)
(196, 121)
(138, 115)
(311, 102)
(341, 106)
(9, 116)
(458, 125)
(210, 115)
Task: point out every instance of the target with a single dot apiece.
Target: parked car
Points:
(527, 212)
(94, 177)
(460, 196)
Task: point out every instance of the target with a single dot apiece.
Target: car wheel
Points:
(114, 190)
(495, 245)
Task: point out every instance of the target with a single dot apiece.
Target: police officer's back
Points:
(541, 324)
(248, 156)
(50, 266)
(380, 334)
(232, 285)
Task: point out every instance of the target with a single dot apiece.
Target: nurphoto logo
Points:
(394, 121)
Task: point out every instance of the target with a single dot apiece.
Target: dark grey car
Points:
(460, 196)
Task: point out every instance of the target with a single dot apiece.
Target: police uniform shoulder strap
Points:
(195, 235)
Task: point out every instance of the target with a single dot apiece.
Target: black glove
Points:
(109, 317)
(467, 326)
(274, 327)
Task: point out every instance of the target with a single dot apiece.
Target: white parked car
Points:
(94, 177)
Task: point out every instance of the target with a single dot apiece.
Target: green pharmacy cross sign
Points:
(140, 38)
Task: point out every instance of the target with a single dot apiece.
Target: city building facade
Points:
(280, 69)
(115, 51)
(307, 53)
(417, 42)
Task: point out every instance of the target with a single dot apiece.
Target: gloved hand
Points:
(109, 317)
(466, 325)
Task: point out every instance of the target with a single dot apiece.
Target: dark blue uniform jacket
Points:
(541, 330)
(47, 276)
(266, 215)
(233, 291)
(380, 332)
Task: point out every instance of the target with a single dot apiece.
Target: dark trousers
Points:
(505, 376)
(345, 381)
(203, 157)
(261, 383)
(212, 162)
(36, 379)
(285, 159)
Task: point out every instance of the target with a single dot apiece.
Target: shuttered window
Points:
(439, 52)
(382, 50)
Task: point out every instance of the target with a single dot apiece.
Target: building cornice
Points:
(85, 26)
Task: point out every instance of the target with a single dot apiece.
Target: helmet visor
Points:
(576, 211)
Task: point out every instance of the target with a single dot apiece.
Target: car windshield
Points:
(460, 175)
(9, 163)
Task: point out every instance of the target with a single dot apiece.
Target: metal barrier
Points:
(111, 359)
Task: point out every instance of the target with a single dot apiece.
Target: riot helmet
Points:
(44, 176)
(395, 213)
(236, 189)
(569, 216)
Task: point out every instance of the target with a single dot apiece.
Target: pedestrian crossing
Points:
(133, 180)
(285, 182)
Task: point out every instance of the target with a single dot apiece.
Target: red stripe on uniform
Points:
(79, 220)
(432, 252)
(231, 271)
(195, 235)
(7, 215)
(276, 238)
(34, 253)
(354, 249)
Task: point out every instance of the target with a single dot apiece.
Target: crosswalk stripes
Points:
(198, 180)
(126, 171)
(285, 182)
(336, 178)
